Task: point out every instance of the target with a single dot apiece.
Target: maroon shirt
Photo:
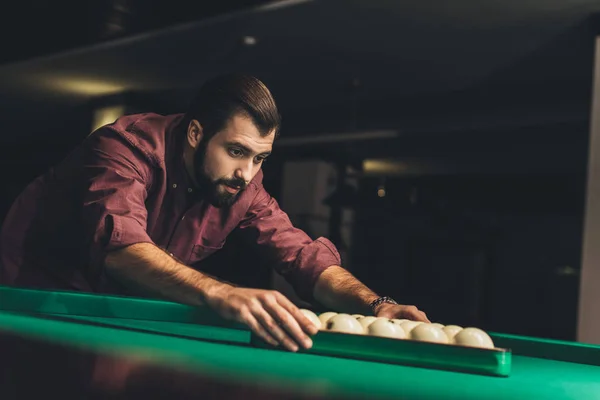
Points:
(126, 184)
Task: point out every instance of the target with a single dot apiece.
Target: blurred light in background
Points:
(382, 166)
(249, 40)
(82, 86)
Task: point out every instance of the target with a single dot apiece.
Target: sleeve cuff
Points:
(114, 233)
(125, 232)
(312, 260)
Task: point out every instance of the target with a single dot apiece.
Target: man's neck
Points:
(188, 162)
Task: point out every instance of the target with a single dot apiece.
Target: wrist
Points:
(381, 302)
(215, 292)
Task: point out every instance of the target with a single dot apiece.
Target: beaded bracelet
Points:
(380, 300)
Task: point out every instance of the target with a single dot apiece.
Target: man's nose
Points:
(244, 171)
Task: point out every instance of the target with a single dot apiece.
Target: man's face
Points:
(230, 159)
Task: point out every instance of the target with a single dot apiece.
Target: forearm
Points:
(268, 314)
(146, 268)
(338, 290)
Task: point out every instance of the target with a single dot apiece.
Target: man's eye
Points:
(235, 152)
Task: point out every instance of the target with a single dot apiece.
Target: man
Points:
(142, 201)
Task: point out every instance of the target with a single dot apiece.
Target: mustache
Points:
(234, 182)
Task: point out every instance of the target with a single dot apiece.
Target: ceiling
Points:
(46, 27)
(333, 65)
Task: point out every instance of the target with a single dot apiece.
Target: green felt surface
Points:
(531, 378)
(548, 348)
(179, 329)
(93, 305)
(177, 319)
(154, 311)
(472, 360)
(492, 362)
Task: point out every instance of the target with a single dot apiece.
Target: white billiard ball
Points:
(438, 325)
(474, 337)
(398, 321)
(428, 333)
(409, 325)
(358, 316)
(385, 328)
(451, 331)
(312, 317)
(324, 317)
(344, 323)
(366, 321)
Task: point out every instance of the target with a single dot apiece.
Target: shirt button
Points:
(174, 185)
(189, 190)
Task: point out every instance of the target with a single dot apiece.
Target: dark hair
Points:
(220, 98)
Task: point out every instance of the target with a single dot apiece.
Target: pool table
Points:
(97, 346)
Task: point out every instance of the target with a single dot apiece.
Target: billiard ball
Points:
(366, 321)
(474, 337)
(312, 317)
(385, 328)
(428, 333)
(344, 323)
(451, 331)
(324, 317)
(409, 325)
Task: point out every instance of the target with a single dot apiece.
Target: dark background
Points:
(490, 102)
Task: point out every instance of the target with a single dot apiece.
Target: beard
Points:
(214, 190)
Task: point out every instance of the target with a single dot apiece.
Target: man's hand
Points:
(391, 311)
(268, 313)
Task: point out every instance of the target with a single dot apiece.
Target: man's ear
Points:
(194, 133)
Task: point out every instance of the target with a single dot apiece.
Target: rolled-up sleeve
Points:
(298, 258)
(115, 186)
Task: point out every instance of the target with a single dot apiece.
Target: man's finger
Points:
(258, 329)
(289, 323)
(275, 328)
(421, 316)
(305, 324)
